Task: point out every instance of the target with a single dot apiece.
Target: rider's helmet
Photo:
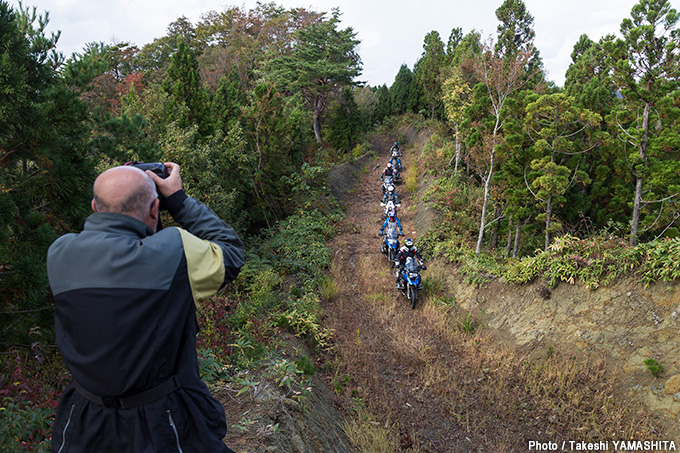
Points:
(392, 215)
(395, 144)
(389, 164)
(390, 188)
(408, 243)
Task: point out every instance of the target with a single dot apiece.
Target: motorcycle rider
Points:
(390, 195)
(394, 160)
(396, 148)
(408, 250)
(392, 221)
(388, 171)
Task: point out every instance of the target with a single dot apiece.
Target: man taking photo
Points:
(125, 318)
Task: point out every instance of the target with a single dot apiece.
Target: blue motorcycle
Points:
(409, 283)
(390, 245)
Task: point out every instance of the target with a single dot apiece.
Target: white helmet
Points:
(390, 188)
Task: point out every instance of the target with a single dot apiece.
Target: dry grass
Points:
(496, 393)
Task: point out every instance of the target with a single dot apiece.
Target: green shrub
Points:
(654, 367)
(23, 426)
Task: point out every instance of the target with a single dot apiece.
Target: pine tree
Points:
(646, 66)
(45, 182)
(324, 60)
(183, 83)
(429, 71)
(400, 90)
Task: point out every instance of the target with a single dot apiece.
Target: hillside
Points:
(473, 369)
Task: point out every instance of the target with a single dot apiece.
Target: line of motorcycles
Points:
(410, 282)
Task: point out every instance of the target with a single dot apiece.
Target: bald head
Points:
(124, 190)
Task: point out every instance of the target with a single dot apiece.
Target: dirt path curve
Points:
(384, 349)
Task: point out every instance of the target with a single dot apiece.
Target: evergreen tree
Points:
(400, 91)
(516, 34)
(589, 83)
(382, 109)
(646, 67)
(183, 84)
(228, 101)
(46, 177)
(345, 122)
(323, 61)
(429, 71)
(557, 124)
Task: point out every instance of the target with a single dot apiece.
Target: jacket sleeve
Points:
(219, 238)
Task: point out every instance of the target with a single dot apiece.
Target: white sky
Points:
(391, 31)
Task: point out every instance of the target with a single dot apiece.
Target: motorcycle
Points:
(389, 206)
(390, 245)
(387, 181)
(397, 174)
(409, 283)
(396, 163)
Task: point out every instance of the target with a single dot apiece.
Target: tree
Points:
(382, 109)
(228, 101)
(155, 57)
(516, 34)
(45, 182)
(645, 65)
(561, 131)
(183, 84)
(500, 76)
(345, 122)
(429, 69)
(324, 60)
(400, 91)
(589, 83)
(457, 98)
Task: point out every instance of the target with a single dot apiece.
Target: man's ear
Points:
(155, 206)
(94, 206)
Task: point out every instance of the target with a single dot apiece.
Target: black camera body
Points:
(155, 167)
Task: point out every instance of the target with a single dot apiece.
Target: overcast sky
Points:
(391, 32)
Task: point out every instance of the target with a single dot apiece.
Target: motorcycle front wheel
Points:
(412, 295)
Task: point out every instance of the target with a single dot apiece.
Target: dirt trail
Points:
(388, 346)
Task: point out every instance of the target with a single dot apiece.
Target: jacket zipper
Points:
(63, 434)
(174, 428)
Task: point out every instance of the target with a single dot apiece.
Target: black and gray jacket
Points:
(126, 327)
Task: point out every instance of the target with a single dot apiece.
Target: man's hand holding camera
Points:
(171, 184)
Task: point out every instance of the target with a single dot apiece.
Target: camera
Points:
(155, 167)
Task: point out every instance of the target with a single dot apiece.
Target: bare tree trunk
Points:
(518, 229)
(493, 240)
(318, 111)
(458, 147)
(317, 127)
(482, 222)
(508, 247)
(637, 202)
(548, 211)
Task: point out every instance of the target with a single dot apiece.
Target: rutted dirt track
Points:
(390, 346)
